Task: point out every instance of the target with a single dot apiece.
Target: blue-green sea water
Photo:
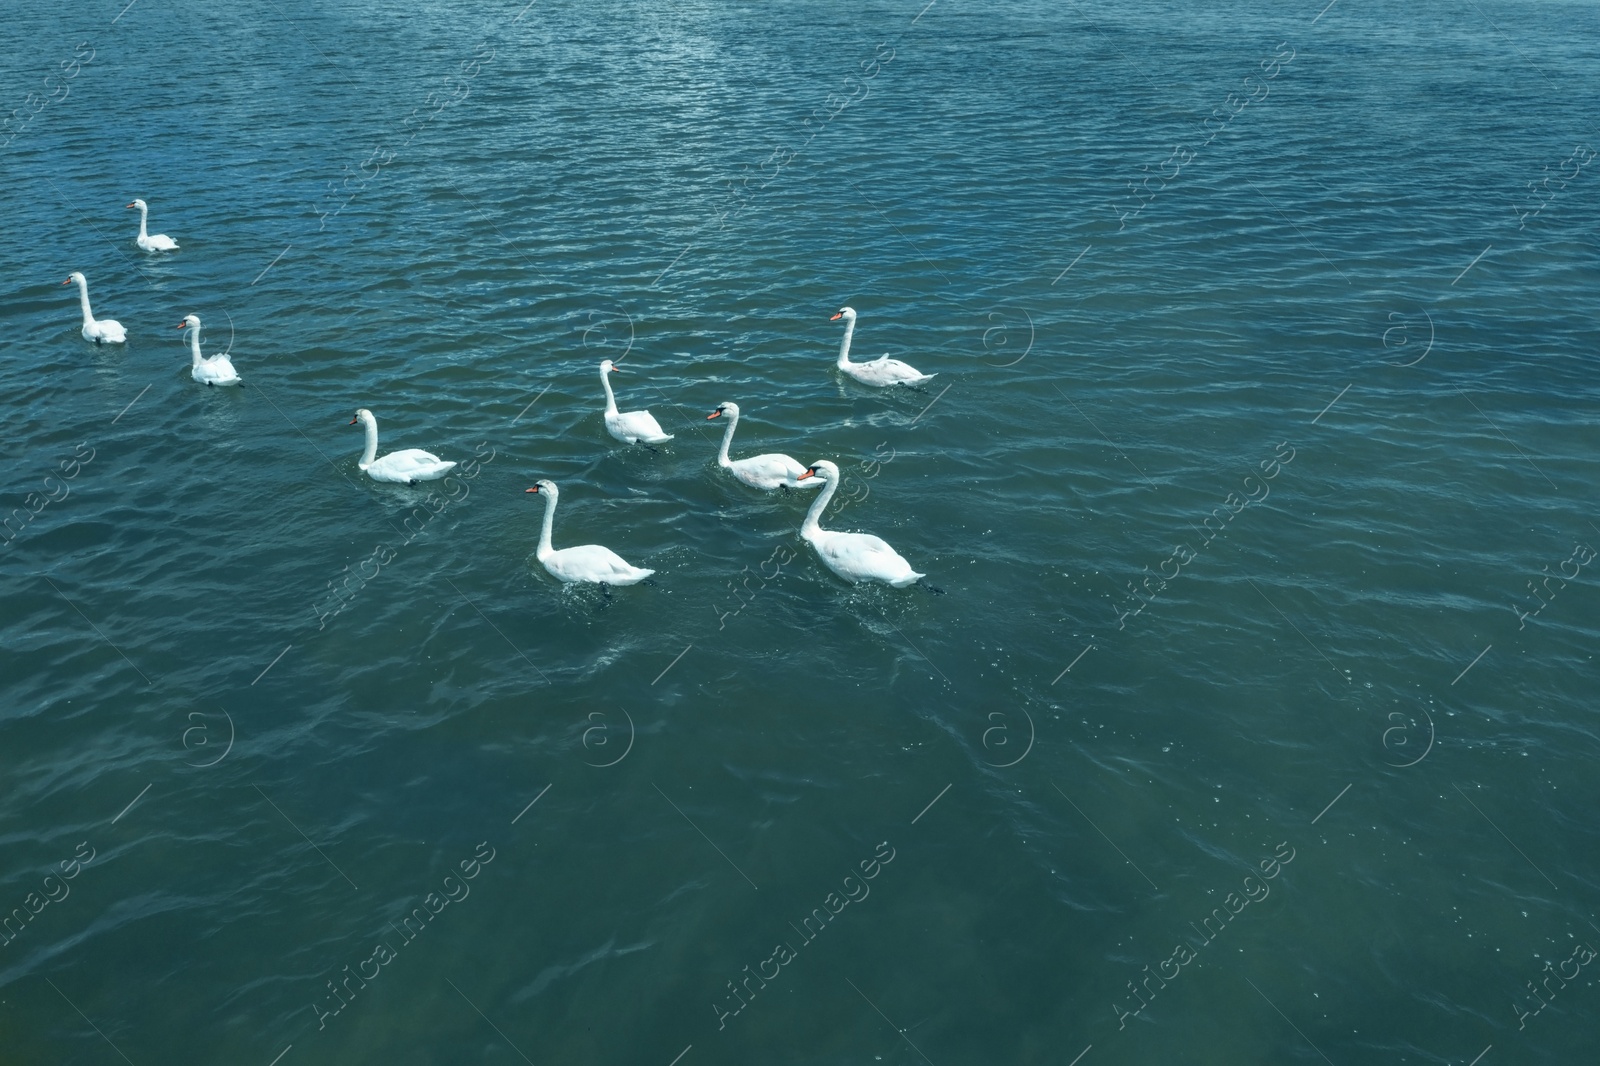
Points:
(1256, 722)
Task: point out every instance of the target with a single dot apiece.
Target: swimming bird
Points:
(151, 242)
(409, 466)
(856, 557)
(769, 472)
(592, 563)
(633, 427)
(882, 371)
(217, 370)
(102, 331)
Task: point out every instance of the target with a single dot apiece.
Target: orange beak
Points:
(808, 473)
(67, 282)
(130, 205)
(534, 489)
(353, 421)
(183, 325)
(712, 415)
(836, 317)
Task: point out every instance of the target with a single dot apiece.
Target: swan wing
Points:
(886, 371)
(771, 471)
(218, 370)
(906, 371)
(106, 329)
(634, 426)
(865, 557)
(411, 464)
(593, 563)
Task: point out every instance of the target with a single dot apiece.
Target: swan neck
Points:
(813, 524)
(194, 345)
(727, 439)
(545, 548)
(370, 425)
(144, 215)
(83, 299)
(611, 400)
(844, 345)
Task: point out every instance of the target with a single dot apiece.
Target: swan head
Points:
(75, 277)
(823, 470)
(729, 409)
(140, 204)
(607, 366)
(190, 322)
(846, 313)
(363, 416)
(546, 487)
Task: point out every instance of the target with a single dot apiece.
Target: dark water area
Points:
(1257, 472)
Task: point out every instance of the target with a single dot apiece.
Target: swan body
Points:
(592, 563)
(768, 472)
(631, 427)
(101, 331)
(151, 242)
(856, 557)
(217, 370)
(880, 372)
(408, 467)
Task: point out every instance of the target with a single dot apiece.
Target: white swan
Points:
(634, 427)
(218, 370)
(856, 557)
(587, 562)
(409, 466)
(881, 371)
(104, 331)
(151, 242)
(770, 471)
